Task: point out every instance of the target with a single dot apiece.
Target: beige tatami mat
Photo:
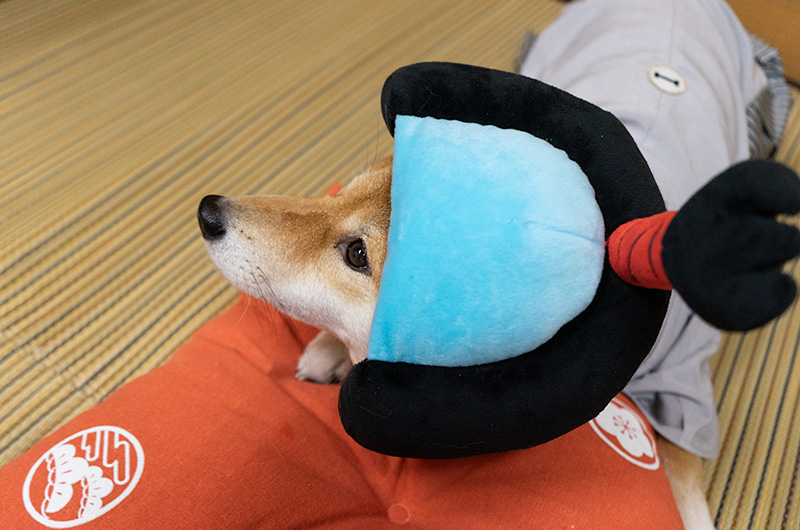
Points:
(117, 117)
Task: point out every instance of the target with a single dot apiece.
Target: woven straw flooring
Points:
(117, 117)
(755, 481)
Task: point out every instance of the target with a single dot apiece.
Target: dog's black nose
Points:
(211, 218)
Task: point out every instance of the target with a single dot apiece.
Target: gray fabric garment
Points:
(601, 51)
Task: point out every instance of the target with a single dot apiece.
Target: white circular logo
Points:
(626, 432)
(667, 79)
(83, 476)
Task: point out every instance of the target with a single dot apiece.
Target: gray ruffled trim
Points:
(768, 112)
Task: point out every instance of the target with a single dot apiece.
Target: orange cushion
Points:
(224, 436)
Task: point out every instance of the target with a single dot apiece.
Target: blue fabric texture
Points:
(496, 241)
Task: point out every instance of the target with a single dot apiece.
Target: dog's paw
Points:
(325, 360)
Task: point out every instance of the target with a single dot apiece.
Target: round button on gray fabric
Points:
(667, 79)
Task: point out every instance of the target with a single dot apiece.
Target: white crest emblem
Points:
(625, 431)
(83, 476)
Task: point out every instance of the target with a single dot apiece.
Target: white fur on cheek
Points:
(316, 304)
(235, 262)
(304, 295)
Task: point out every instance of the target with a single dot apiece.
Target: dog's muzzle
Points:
(211, 217)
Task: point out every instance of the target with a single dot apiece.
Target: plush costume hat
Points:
(529, 264)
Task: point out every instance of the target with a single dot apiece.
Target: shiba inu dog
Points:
(320, 260)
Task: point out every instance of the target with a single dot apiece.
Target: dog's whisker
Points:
(378, 129)
(244, 311)
(261, 280)
(370, 157)
(258, 316)
(280, 307)
(366, 153)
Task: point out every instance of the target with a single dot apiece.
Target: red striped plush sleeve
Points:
(634, 251)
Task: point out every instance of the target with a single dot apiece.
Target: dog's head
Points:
(316, 259)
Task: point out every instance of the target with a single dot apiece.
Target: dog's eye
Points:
(356, 256)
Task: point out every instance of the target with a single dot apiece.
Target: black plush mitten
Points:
(724, 250)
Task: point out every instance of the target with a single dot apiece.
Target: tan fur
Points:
(288, 251)
(685, 473)
(289, 245)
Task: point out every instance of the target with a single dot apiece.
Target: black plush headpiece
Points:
(475, 351)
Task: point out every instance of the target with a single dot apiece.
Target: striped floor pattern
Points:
(756, 481)
(117, 117)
